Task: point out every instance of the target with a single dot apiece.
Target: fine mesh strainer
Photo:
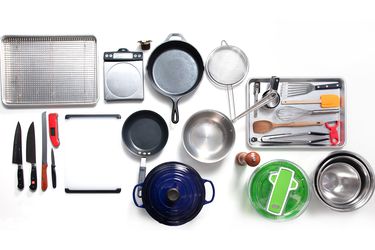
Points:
(48, 70)
(226, 67)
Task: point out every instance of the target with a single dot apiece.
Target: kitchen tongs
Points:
(290, 138)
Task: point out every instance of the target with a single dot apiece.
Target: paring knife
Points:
(30, 156)
(17, 156)
(44, 152)
(53, 166)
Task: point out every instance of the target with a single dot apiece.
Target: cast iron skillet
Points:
(175, 69)
(144, 133)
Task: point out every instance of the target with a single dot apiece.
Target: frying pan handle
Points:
(135, 192)
(141, 175)
(182, 38)
(175, 115)
(213, 192)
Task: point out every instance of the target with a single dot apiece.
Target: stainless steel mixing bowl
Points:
(208, 136)
(344, 181)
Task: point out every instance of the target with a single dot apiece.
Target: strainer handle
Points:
(264, 101)
(272, 94)
(182, 38)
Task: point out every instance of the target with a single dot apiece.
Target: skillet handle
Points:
(175, 115)
(141, 175)
(182, 38)
(213, 192)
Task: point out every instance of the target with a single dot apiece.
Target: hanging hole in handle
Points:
(180, 36)
(224, 43)
(135, 193)
(175, 115)
(213, 191)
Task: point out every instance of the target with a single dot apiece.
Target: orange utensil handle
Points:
(297, 124)
(44, 177)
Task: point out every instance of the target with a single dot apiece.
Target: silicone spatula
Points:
(326, 101)
(283, 182)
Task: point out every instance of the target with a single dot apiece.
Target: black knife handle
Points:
(34, 181)
(329, 86)
(20, 183)
(53, 176)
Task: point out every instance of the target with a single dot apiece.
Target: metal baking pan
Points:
(48, 70)
(255, 139)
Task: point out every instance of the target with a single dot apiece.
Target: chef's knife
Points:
(53, 166)
(30, 155)
(17, 155)
(44, 152)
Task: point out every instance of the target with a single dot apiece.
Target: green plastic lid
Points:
(279, 190)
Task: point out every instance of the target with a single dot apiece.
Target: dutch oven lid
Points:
(174, 193)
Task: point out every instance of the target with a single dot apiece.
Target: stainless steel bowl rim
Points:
(184, 131)
(365, 167)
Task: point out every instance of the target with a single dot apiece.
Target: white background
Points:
(283, 38)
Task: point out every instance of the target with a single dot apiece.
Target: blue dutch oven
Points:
(173, 193)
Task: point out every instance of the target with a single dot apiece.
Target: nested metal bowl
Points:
(208, 136)
(344, 181)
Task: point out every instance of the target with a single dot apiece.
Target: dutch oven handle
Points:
(213, 192)
(135, 191)
(182, 38)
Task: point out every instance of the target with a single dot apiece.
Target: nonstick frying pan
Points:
(175, 69)
(144, 133)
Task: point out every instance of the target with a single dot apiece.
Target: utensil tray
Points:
(254, 139)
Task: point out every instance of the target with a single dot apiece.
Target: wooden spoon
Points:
(265, 126)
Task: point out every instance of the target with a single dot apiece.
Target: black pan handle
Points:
(175, 115)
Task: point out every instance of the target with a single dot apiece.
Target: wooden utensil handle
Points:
(44, 177)
(289, 102)
(297, 124)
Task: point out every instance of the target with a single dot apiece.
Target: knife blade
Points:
(53, 166)
(44, 152)
(30, 156)
(17, 155)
